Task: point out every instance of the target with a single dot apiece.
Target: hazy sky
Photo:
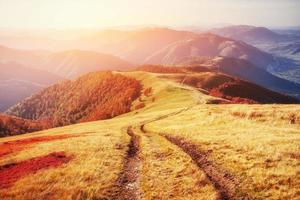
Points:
(101, 13)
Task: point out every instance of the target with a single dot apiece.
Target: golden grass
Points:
(91, 174)
(169, 173)
(258, 145)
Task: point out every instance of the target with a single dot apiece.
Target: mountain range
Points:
(68, 64)
(122, 50)
(249, 34)
(283, 44)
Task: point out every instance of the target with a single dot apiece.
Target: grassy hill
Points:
(208, 79)
(176, 146)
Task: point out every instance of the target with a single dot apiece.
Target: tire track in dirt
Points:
(224, 183)
(170, 173)
(129, 180)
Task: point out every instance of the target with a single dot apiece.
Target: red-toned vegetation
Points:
(18, 145)
(95, 96)
(140, 105)
(10, 125)
(11, 173)
(239, 91)
(148, 91)
(233, 89)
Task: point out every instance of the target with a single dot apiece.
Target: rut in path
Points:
(128, 181)
(223, 182)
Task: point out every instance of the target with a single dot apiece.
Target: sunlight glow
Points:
(103, 13)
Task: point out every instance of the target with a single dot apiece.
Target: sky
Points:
(108, 13)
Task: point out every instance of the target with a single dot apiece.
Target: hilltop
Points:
(249, 34)
(210, 81)
(207, 44)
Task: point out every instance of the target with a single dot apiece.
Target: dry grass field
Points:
(176, 145)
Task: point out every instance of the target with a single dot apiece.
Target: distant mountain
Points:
(282, 44)
(18, 82)
(249, 34)
(71, 64)
(131, 45)
(31, 58)
(167, 46)
(134, 46)
(210, 45)
(68, 64)
(95, 96)
(247, 71)
(143, 43)
(287, 49)
(152, 45)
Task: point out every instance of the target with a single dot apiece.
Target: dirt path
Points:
(129, 180)
(169, 173)
(223, 181)
(172, 169)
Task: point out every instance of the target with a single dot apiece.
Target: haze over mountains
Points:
(249, 34)
(209, 45)
(67, 64)
(18, 82)
(231, 53)
(283, 43)
(142, 46)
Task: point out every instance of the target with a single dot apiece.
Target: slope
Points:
(245, 70)
(210, 45)
(208, 79)
(241, 148)
(98, 95)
